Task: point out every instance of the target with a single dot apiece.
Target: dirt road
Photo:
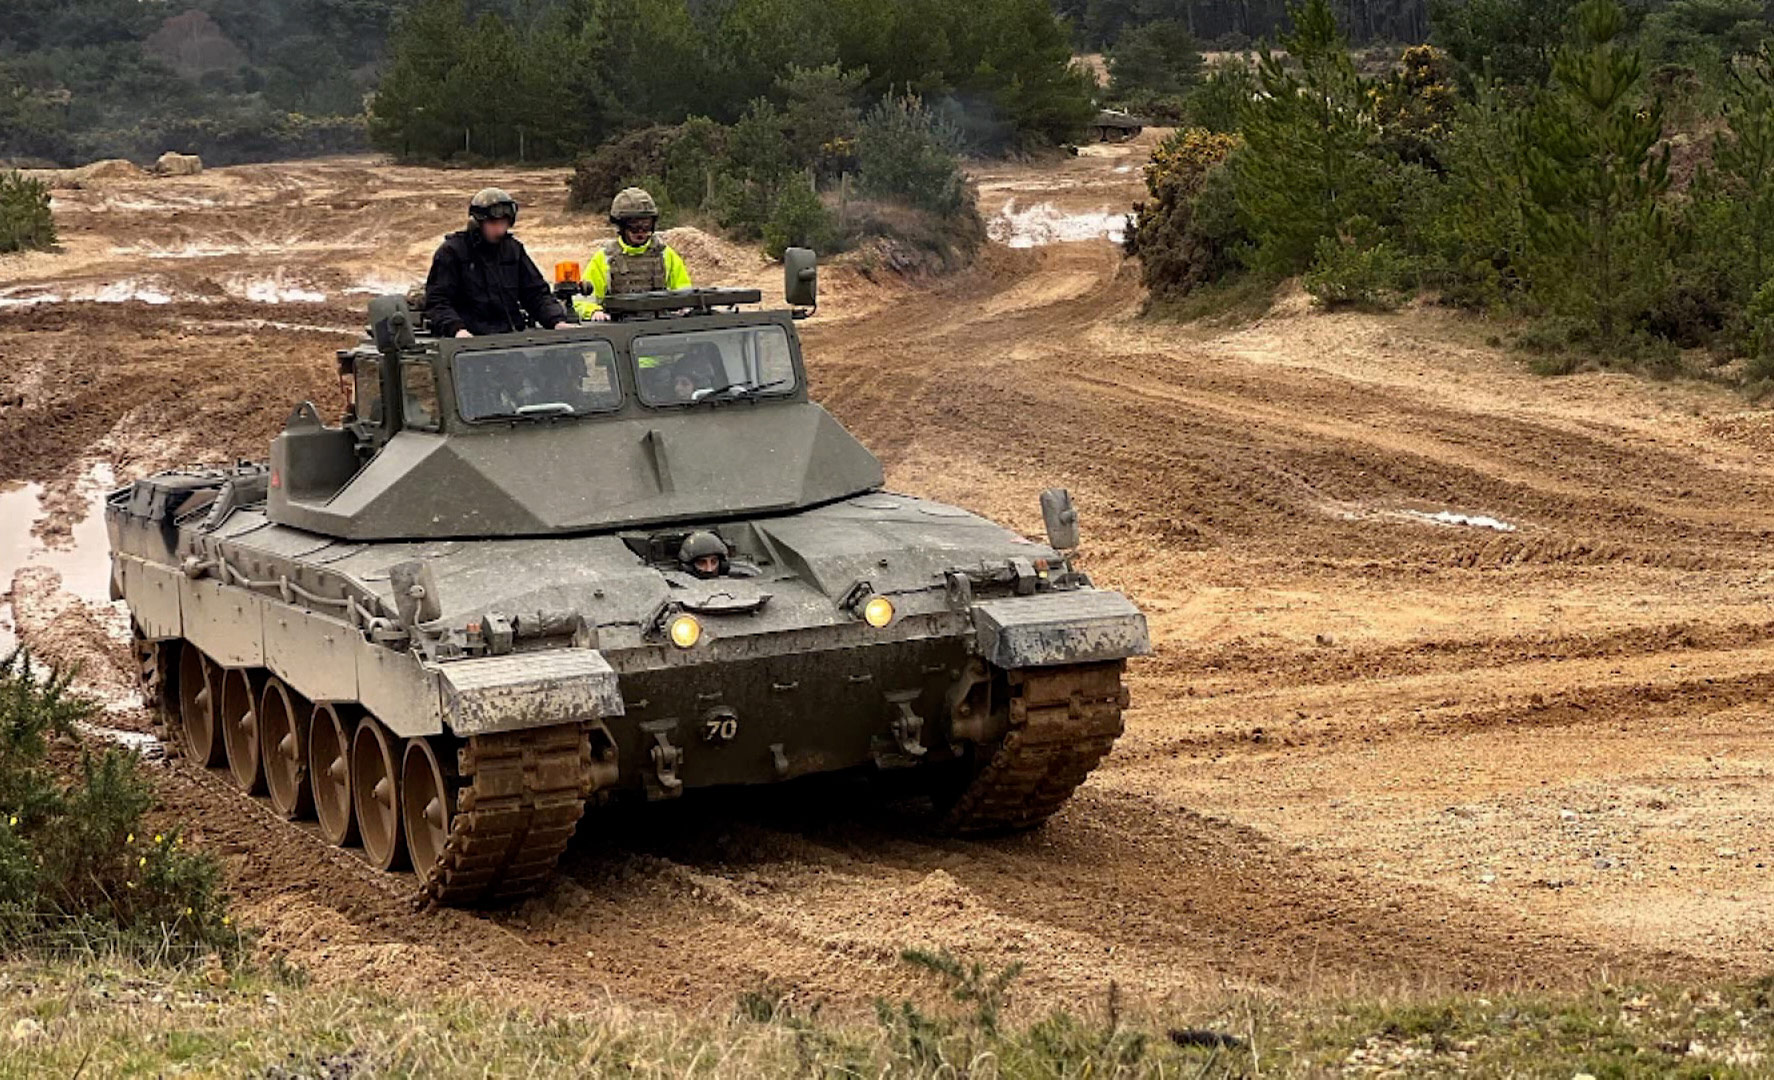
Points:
(1462, 675)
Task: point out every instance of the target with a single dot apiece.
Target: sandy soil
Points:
(1461, 674)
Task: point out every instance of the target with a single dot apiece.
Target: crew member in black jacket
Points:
(483, 282)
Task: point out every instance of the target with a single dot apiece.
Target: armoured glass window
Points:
(369, 390)
(569, 379)
(714, 365)
(419, 396)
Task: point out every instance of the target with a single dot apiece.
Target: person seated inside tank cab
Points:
(568, 379)
(674, 377)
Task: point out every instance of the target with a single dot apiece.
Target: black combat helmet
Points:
(703, 544)
(491, 203)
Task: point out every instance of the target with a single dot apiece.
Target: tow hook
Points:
(666, 759)
(908, 726)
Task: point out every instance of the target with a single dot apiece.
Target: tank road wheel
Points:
(240, 731)
(329, 778)
(428, 806)
(200, 684)
(375, 795)
(283, 746)
(1063, 720)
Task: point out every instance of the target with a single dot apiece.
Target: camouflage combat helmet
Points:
(632, 203)
(490, 203)
(703, 544)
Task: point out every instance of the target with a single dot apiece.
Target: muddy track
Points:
(1375, 747)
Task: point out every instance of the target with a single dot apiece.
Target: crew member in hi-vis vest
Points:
(636, 261)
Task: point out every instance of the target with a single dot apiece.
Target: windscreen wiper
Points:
(733, 391)
(547, 408)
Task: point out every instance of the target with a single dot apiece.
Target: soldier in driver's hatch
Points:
(482, 281)
(704, 554)
(636, 261)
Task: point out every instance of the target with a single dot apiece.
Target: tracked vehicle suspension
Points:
(1063, 720)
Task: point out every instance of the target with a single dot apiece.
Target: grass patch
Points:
(113, 1017)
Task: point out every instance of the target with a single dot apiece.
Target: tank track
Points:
(522, 797)
(1063, 720)
(150, 674)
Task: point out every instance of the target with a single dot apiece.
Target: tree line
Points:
(1611, 181)
(1239, 24)
(232, 79)
(550, 79)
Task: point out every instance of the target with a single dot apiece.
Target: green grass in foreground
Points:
(101, 1019)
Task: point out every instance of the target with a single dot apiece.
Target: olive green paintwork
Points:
(488, 576)
(638, 465)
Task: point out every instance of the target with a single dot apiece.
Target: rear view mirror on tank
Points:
(800, 274)
(392, 324)
(1061, 517)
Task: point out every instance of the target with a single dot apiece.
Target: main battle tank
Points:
(446, 625)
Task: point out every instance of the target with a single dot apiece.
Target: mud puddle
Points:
(84, 563)
(1043, 224)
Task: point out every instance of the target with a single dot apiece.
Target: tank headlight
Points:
(685, 631)
(878, 612)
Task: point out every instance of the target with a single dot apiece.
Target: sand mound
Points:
(107, 170)
(710, 256)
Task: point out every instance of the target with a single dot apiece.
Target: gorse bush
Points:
(26, 223)
(80, 868)
(1186, 233)
(599, 175)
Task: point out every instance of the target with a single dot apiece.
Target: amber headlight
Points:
(878, 612)
(685, 631)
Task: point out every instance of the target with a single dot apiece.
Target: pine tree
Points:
(414, 114)
(1743, 167)
(1160, 58)
(1303, 173)
(1508, 40)
(1595, 176)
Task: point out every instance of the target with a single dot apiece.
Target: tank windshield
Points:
(714, 365)
(569, 379)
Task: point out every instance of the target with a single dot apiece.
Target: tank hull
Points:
(546, 677)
